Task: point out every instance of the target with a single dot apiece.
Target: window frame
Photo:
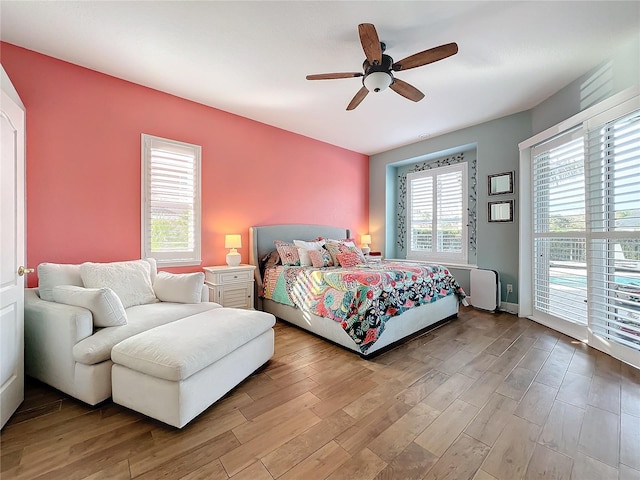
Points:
(434, 256)
(187, 257)
(609, 109)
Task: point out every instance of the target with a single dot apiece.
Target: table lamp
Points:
(366, 240)
(233, 242)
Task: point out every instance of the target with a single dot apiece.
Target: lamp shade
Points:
(365, 239)
(232, 241)
(377, 81)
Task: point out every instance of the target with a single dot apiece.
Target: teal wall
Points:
(398, 247)
(496, 146)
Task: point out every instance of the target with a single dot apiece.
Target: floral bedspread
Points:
(361, 298)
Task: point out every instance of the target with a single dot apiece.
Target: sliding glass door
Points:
(585, 230)
(613, 193)
(559, 243)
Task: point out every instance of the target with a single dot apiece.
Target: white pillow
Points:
(303, 250)
(154, 268)
(104, 304)
(346, 243)
(130, 281)
(51, 275)
(179, 287)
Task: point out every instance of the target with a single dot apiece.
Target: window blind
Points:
(421, 213)
(449, 215)
(437, 214)
(171, 201)
(560, 268)
(614, 223)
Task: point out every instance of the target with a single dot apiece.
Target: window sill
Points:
(460, 266)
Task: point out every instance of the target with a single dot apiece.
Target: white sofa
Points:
(66, 345)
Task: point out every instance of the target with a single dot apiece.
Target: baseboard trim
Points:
(509, 307)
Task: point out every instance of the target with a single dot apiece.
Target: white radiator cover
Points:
(485, 289)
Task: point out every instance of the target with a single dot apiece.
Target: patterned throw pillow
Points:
(320, 258)
(288, 253)
(335, 248)
(348, 259)
(271, 259)
(304, 247)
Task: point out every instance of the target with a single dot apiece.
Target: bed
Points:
(396, 329)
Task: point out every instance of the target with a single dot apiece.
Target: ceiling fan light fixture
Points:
(377, 81)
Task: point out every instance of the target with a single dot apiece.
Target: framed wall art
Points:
(501, 211)
(500, 183)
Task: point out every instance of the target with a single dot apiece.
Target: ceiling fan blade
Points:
(428, 56)
(358, 98)
(331, 76)
(406, 90)
(370, 43)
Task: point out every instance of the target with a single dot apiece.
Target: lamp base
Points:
(233, 259)
(365, 250)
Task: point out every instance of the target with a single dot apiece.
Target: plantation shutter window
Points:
(437, 214)
(170, 201)
(614, 205)
(559, 233)
(585, 230)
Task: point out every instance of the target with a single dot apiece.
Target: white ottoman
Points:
(174, 372)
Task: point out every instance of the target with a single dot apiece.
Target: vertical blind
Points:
(171, 201)
(437, 213)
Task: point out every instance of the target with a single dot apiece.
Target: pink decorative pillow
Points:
(288, 253)
(304, 247)
(335, 248)
(320, 258)
(348, 259)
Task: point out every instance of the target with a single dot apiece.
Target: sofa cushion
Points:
(153, 271)
(179, 287)
(178, 350)
(97, 347)
(51, 275)
(105, 306)
(130, 280)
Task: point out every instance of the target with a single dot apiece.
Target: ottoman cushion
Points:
(177, 350)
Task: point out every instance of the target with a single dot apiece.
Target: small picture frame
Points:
(501, 211)
(500, 183)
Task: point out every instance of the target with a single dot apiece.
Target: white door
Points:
(12, 161)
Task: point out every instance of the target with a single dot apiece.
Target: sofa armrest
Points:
(204, 296)
(50, 331)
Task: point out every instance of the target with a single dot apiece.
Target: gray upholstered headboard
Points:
(261, 239)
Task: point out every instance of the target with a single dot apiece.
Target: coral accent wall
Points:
(83, 166)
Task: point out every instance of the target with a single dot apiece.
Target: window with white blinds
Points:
(437, 214)
(613, 199)
(586, 227)
(559, 269)
(170, 201)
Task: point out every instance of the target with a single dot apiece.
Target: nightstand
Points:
(230, 286)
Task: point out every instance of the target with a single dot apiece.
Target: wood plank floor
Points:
(485, 397)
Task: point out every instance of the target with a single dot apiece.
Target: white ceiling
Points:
(251, 58)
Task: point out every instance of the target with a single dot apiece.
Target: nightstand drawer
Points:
(233, 277)
(220, 275)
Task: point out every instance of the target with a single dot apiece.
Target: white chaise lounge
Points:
(79, 313)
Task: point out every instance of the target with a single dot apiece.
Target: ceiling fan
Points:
(378, 67)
